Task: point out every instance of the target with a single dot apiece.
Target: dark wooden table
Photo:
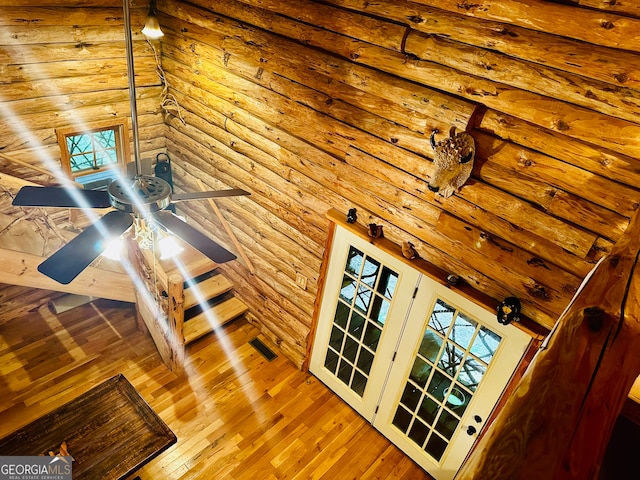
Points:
(110, 432)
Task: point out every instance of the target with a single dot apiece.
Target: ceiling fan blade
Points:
(193, 237)
(234, 192)
(67, 263)
(31, 196)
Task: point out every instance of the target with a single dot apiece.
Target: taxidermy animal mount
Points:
(453, 161)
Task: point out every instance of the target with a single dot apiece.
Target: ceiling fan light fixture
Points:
(152, 28)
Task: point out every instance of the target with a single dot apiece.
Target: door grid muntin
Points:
(364, 302)
(452, 358)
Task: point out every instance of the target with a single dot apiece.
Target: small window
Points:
(92, 150)
(92, 156)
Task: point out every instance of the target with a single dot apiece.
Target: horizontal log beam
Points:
(21, 269)
(571, 88)
(606, 64)
(615, 31)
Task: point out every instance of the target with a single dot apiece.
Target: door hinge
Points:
(394, 356)
(377, 407)
(415, 292)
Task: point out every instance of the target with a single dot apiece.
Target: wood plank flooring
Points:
(237, 416)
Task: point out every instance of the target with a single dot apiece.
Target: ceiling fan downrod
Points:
(132, 86)
(146, 192)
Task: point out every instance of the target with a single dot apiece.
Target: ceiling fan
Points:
(142, 196)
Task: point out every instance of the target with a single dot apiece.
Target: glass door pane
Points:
(365, 295)
(453, 361)
(453, 356)
(363, 288)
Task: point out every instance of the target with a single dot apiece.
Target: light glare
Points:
(169, 248)
(114, 249)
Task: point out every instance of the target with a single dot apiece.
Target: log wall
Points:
(314, 105)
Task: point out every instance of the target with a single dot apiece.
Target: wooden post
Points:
(162, 317)
(175, 317)
(557, 422)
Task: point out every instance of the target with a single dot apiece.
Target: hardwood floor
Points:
(237, 416)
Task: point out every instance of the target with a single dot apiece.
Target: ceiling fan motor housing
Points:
(142, 193)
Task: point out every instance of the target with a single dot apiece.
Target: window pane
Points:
(420, 371)
(370, 272)
(428, 410)
(348, 289)
(356, 326)
(436, 446)
(450, 359)
(92, 150)
(430, 346)
(335, 341)
(342, 314)
(105, 139)
(331, 362)
(458, 399)
(350, 349)
(455, 397)
(439, 383)
(447, 424)
(105, 157)
(402, 419)
(410, 397)
(354, 262)
(485, 344)
(344, 371)
(388, 281)
(365, 360)
(463, 330)
(363, 299)
(419, 432)
(441, 317)
(372, 336)
(471, 373)
(81, 162)
(359, 383)
(379, 310)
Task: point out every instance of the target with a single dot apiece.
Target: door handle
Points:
(471, 430)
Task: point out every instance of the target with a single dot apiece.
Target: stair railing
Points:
(161, 307)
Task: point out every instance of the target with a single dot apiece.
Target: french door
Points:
(423, 364)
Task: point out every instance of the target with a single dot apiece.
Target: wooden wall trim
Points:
(318, 302)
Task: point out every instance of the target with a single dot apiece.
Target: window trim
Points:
(121, 130)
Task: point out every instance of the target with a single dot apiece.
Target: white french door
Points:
(423, 364)
(362, 313)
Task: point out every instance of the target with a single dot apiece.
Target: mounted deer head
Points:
(453, 162)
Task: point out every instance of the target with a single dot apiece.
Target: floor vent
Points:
(263, 349)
